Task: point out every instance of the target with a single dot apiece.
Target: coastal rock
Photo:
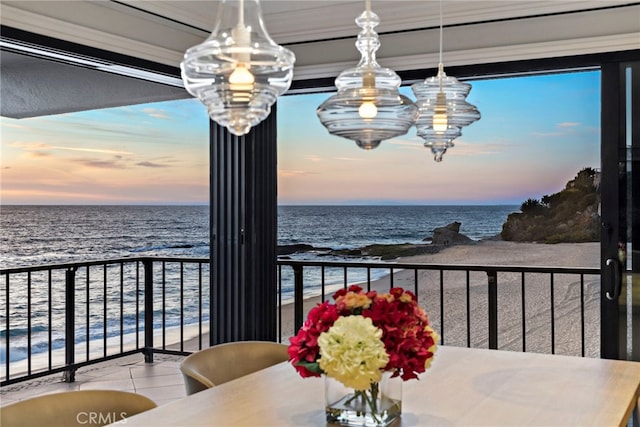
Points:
(569, 216)
(450, 235)
(346, 252)
(442, 237)
(454, 226)
(494, 238)
(292, 249)
(389, 252)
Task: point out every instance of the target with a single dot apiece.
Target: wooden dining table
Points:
(463, 387)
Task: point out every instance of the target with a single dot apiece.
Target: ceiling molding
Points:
(152, 37)
(311, 20)
(51, 27)
(484, 56)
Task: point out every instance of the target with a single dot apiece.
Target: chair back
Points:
(74, 408)
(224, 362)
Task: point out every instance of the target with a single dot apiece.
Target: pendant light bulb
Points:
(440, 118)
(241, 77)
(368, 110)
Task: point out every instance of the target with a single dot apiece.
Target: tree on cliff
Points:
(570, 215)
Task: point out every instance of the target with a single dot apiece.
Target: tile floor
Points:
(161, 380)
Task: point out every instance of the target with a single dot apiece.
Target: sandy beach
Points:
(537, 306)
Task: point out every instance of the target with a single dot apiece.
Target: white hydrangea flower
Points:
(352, 352)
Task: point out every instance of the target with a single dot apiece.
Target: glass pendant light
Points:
(439, 141)
(368, 107)
(239, 71)
(442, 108)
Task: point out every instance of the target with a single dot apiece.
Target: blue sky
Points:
(535, 134)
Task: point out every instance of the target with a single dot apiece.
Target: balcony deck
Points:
(160, 381)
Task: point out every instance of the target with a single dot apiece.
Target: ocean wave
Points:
(15, 333)
(170, 246)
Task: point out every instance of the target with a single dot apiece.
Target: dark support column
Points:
(69, 374)
(148, 310)
(243, 212)
(492, 281)
(298, 308)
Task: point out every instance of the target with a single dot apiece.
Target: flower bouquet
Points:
(367, 341)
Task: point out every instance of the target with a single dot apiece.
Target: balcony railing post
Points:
(70, 324)
(492, 279)
(148, 310)
(298, 284)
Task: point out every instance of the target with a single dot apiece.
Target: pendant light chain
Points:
(440, 64)
(440, 57)
(367, 5)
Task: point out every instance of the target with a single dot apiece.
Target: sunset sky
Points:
(535, 134)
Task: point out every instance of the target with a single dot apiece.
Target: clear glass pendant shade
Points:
(429, 134)
(446, 92)
(443, 109)
(438, 147)
(368, 107)
(239, 71)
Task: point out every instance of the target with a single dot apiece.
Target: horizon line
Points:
(166, 204)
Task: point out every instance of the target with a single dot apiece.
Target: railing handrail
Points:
(78, 264)
(448, 267)
(310, 263)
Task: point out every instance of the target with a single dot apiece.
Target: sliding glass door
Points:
(620, 189)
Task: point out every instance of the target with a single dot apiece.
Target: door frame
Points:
(617, 200)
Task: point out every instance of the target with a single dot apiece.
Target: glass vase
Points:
(377, 406)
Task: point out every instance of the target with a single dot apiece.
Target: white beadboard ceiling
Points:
(322, 32)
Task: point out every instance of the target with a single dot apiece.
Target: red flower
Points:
(303, 349)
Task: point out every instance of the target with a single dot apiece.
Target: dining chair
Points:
(224, 362)
(75, 408)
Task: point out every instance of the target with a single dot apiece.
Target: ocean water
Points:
(355, 226)
(37, 235)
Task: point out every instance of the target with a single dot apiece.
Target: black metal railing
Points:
(497, 307)
(58, 318)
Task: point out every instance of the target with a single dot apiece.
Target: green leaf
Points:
(311, 366)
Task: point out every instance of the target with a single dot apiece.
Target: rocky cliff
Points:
(570, 215)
